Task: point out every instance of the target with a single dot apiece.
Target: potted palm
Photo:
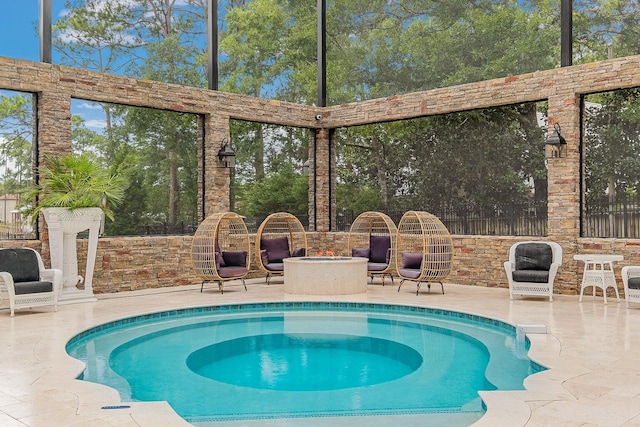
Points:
(74, 194)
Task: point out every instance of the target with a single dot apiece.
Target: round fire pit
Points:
(325, 275)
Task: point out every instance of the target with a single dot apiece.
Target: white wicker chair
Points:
(531, 269)
(27, 282)
(631, 280)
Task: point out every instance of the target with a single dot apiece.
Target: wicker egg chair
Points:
(424, 249)
(220, 250)
(373, 236)
(281, 235)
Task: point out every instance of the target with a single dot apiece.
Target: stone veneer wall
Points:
(145, 262)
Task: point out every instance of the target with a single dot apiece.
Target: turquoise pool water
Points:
(288, 360)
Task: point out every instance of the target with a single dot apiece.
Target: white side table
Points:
(598, 273)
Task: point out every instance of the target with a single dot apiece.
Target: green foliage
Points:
(16, 133)
(282, 191)
(612, 142)
(73, 182)
(376, 48)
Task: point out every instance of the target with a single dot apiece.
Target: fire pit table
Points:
(325, 275)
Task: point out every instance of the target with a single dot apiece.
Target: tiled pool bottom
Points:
(493, 334)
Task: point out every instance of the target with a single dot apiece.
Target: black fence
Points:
(181, 228)
(517, 219)
(612, 217)
(521, 219)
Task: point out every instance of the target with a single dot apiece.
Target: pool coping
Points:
(438, 314)
(54, 372)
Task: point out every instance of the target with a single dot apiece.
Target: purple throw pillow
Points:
(298, 252)
(411, 260)
(235, 258)
(379, 246)
(361, 252)
(219, 260)
(264, 257)
(277, 248)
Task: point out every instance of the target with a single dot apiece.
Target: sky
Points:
(19, 28)
(19, 39)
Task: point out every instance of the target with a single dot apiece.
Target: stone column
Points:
(564, 188)
(322, 182)
(216, 179)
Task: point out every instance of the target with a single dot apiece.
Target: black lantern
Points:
(556, 145)
(227, 155)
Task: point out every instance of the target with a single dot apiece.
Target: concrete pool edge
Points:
(91, 397)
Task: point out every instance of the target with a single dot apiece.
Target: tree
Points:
(612, 143)
(282, 191)
(16, 134)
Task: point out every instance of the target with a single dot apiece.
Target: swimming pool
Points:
(306, 359)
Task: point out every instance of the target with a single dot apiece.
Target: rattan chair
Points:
(424, 249)
(373, 236)
(220, 250)
(281, 235)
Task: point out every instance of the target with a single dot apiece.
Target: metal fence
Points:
(517, 219)
(181, 228)
(522, 219)
(612, 217)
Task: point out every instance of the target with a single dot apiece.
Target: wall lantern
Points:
(556, 145)
(305, 168)
(227, 155)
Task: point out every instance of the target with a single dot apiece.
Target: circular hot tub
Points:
(325, 275)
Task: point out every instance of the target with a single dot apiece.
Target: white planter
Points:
(64, 225)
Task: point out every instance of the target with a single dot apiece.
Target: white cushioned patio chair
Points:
(631, 280)
(532, 268)
(26, 281)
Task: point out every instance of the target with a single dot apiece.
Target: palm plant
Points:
(76, 181)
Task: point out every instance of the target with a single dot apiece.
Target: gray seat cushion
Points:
(534, 276)
(227, 272)
(376, 266)
(21, 263)
(634, 282)
(410, 273)
(25, 288)
(274, 266)
(533, 256)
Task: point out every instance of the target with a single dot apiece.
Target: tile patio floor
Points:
(593, 351)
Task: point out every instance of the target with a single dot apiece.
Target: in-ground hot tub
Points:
(325, 275)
